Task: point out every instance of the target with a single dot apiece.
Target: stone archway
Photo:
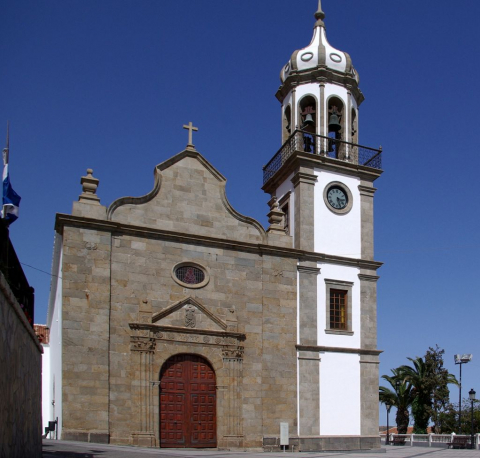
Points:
(187, 403)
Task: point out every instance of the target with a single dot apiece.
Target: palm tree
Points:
(420, 378)
(430, 390)
(400, 397)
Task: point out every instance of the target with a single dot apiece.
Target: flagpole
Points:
(10, 199)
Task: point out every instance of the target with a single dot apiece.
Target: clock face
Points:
(337, 197)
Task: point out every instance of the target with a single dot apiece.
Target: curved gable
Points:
(189, 197)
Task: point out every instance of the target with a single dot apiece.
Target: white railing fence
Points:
(432, 439)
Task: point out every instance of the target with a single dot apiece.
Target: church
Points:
(176, 321)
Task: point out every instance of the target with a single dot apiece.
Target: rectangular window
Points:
(338, 309)
(286, 219)
(284, 204)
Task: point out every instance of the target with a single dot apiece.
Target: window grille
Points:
(338, 309)
(190, 275)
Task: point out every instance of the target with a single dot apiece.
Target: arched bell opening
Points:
(188, 403)
(308, 122)
(354, 126)
(335, 127)
(287, 123)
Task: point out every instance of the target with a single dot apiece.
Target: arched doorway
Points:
(188, 401)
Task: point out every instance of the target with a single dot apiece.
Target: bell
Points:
(334, 123)
(308, 121)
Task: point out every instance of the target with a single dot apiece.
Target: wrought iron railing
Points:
(323, 146)
(12, 271)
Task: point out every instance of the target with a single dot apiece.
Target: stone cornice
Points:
(156, 328)
(302, 177)
(321, 73)
(308, 270)
(366, 191)
(118, 228)
(358, 351)
(364, 277)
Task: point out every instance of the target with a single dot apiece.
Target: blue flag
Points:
(11, 200)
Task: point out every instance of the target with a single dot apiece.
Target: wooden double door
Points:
(187, 403)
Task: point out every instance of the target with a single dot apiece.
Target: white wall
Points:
(339, 394)
(46, 374)
(337, 234)
(342, 273)
(54, 322)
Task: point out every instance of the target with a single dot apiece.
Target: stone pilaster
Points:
(304, 183)
(142, 392)
(368, 301)
(368, 363)
(309, 393)
(308, 362)
(307, 310)
(367, 192)
(233, 420)
(369, 395)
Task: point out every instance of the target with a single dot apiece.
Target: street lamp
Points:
(388, 406)
(461, 359)
(471, 395)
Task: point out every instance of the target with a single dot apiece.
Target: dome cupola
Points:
(319, 89)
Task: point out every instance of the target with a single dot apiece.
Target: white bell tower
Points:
(323, 181)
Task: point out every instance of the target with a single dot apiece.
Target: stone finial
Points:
(89, 187)
(319, 15)
(275, 217)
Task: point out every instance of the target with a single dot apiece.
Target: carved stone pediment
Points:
(191, 314)
(144, 337)
(188, 321)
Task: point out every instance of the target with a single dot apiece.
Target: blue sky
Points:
(108, 85)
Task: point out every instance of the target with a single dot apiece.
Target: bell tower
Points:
(323, 181)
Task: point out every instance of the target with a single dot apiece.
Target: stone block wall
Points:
(86, 303)
(20, 381)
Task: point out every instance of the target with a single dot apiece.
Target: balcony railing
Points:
(12, 271)
(323, 146)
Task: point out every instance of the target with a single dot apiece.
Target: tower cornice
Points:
(319, 75)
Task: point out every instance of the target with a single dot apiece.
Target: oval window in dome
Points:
(190, 275)
(306, 56)
(335, 57)
(287, 68)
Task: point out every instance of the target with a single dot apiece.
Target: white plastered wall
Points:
(46, 383)
(339, 273)
(339, 394)
(54, 322)
(336, 234)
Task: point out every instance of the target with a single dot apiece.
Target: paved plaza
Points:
(62, 449)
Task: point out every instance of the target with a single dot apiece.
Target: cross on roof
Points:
(190, 130)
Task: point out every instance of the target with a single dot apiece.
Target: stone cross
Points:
(190, 130)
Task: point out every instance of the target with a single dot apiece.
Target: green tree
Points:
(430, 388)
(400, 396)
(418, 376)
(448, 418)
(440, 379)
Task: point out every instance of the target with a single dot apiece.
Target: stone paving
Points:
(63, 449)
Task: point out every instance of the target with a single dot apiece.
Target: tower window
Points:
(284, 204)
(338, 307)
(286, 219)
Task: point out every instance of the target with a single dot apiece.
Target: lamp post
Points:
(461, 359)
(387, 439)
(471, 395)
